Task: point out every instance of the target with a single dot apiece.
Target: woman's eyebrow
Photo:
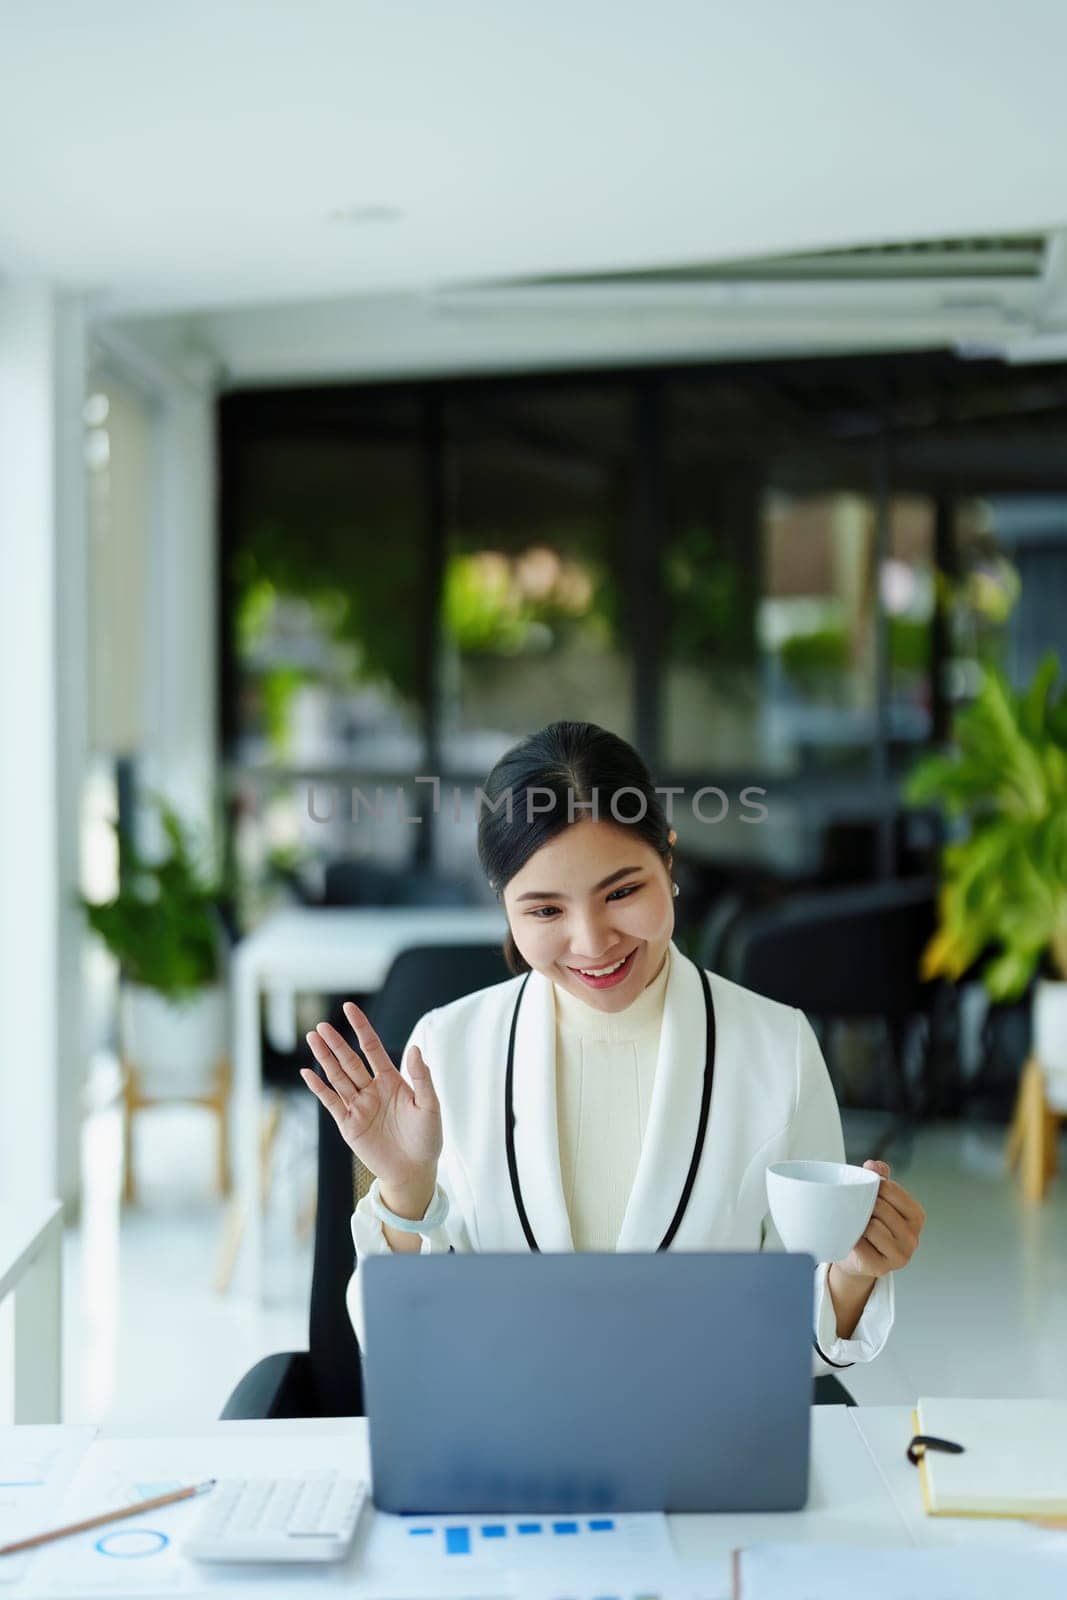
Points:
(554, 894)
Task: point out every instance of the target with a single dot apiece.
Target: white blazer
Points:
(771, 1101)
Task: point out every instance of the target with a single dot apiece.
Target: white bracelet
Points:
(432, 1217)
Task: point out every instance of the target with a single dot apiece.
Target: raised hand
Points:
(393, 1126)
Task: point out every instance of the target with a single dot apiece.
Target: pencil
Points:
(107, 1516)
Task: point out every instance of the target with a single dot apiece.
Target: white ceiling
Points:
(175, 159)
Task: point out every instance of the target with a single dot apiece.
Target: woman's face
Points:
(595, 895)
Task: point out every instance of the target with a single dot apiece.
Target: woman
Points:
(611, 1096)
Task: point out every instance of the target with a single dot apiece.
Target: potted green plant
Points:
(1004, 880)
(165, 930)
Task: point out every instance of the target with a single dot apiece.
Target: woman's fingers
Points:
(902, 1202)
(896, 1194)
(342, 1081)
(346, 1057)
(325, 1095)
(870, 1261)
(890, 1234)
(873, 1258)
(421, 1082)
(369, 1041)
(885, 1242)
(899, 1228)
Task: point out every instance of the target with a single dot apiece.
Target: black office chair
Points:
(325, 1379)
(427, 976)
(845, 953)
(712, 943)
(367, 883)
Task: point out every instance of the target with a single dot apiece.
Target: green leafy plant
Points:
(1004, 884)
(164, 925)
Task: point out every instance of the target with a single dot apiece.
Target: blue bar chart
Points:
(541, 1545)
(465, 1538)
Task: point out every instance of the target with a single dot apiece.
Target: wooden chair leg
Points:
(232, 1230)
(305, 1221)
(1016, 1139)
(233, 1227)
(222, 1108)
(1051, 1132)
(1034, 1156)
(1033, 1135)
(268, 1138)
(129, 1184)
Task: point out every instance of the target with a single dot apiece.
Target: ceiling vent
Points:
(1002, 256)
(979, 295)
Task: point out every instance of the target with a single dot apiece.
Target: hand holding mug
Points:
(854, 1217)
(891, 1236)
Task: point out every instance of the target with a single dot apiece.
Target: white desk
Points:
(30, 1270)
(329, 950)
(849, 1504)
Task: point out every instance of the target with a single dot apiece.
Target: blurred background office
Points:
(380, 383)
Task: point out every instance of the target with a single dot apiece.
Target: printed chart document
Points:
(541, 1543)
(36, 1464)
(399, 1557)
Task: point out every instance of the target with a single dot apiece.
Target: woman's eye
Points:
(549, 913)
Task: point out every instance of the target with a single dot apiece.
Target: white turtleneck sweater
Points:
(605, 1069)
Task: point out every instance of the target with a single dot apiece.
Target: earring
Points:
(674, 890)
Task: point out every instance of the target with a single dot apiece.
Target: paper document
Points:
(673, 1584)
(36, 1464)
(143, 1554)
(843, 1572)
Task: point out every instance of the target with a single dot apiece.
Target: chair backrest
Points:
(418, 980)
(358, 883)
(367, 883)
(725, 913)
(839, 952)
(431, 975)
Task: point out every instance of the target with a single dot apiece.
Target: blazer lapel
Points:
(536, 1127)
(674, 1113)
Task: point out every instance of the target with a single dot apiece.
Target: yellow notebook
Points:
(1014, 1460)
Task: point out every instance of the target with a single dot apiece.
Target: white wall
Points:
(42, 738)
(180, 688)
(120, 486)
(157, 577)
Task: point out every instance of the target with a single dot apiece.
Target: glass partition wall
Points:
(780, 574)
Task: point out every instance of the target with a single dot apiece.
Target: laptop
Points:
(557, 1382)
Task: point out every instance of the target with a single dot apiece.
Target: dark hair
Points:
(572, 765)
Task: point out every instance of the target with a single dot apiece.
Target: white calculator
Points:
(312, 1518)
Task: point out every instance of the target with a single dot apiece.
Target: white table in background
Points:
(849, 1504)
(327, 950)
(31, 1271)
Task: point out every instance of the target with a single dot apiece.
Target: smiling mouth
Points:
(613, 972)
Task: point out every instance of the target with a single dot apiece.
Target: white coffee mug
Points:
(822, 1207)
